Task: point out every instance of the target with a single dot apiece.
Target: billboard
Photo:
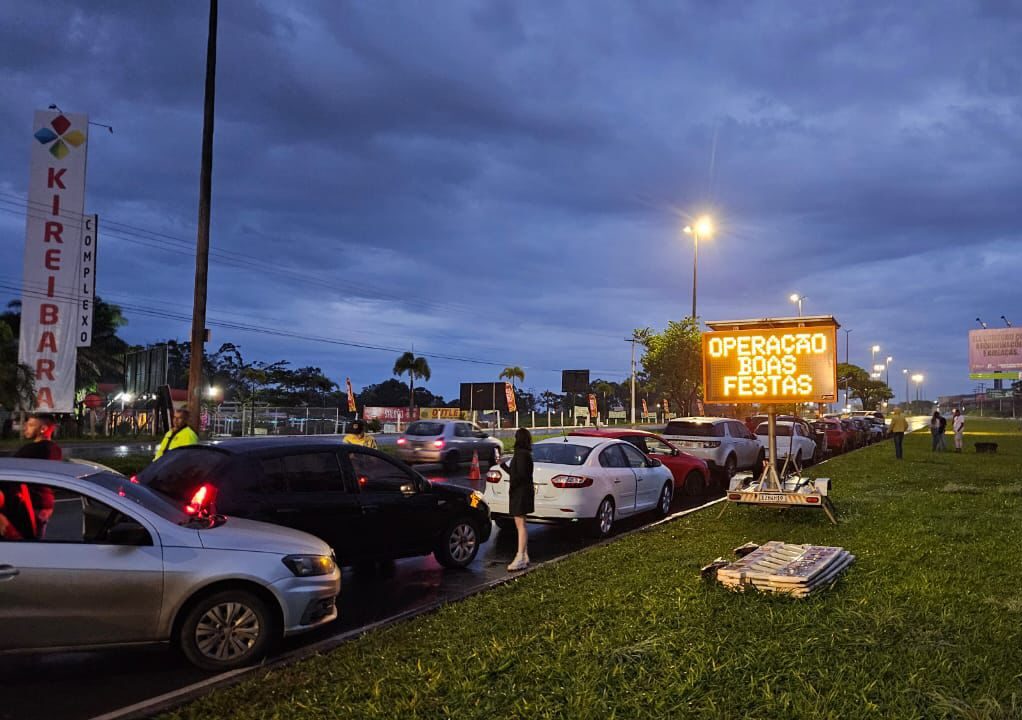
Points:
(995, 350)
(145, 370)
(775, 361)
(575, 381)
(87, 280)
(487, 396)
(48, 341)
(390, 414)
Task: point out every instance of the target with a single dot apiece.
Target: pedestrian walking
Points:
(899, 426)
(179, 435)
(38, 430)
(522, 494)
(958, 424)
(357, 436)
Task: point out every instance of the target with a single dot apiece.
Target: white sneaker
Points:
(519, 563)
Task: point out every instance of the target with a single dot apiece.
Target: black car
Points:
(365, 504)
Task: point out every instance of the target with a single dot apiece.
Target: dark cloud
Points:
(507, 181)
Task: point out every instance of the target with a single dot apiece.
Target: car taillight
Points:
(493, 476)
(402, 441)
(134, 479)
(571, 481)
(201, 500)
(438, 443)
(711, 443)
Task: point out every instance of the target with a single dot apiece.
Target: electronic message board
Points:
(774, 363)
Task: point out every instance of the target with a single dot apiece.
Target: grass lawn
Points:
(926, 623)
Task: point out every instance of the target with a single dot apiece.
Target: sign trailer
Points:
(768, 361)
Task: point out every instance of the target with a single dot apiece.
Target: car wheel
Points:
(730, 467)
(504, 523)
(228, 630)
(458, 545)
(694, 484)
(451, 461)
(603, 523)
(666, 496)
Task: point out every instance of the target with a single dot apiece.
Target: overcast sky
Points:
(507, 181)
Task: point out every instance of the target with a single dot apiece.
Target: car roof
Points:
(256, 444)
(782, 422)
(612, 434)
(583, 440)
(65, 468)
(700, 419)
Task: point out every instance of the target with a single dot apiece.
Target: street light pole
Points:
(796, 298)
(702, 227)
(847, 333)
(202, 239)
(632, 340)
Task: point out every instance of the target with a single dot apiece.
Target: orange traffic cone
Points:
(473, 472)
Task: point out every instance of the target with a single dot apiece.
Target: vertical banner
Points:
(645, 407)
(351, 395)
(509, 395)
(667, 407)
(594, 410)
(87, 280)
(53, 234)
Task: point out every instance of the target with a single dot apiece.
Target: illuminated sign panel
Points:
(771, 365)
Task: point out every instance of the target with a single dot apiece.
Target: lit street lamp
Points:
(907, 398)
(702, 228)
(797, 299)
(887, 371)
(918, 380)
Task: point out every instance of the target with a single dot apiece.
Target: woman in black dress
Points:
(521, 494)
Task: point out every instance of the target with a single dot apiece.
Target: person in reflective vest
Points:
(179, 435)
(357, 435)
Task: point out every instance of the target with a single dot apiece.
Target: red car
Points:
(691, 474)
(839, 439)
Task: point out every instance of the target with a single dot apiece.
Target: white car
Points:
(791, 441)
(586, 479)
(116, 563)
(725, 444)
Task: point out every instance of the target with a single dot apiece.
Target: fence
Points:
(233, 420)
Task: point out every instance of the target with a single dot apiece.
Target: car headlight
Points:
(309, 565)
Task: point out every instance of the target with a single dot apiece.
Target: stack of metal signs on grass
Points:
(786, 568)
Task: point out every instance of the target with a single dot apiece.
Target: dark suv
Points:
(366, 505)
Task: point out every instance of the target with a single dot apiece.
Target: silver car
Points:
(450, 442)
(117, 563)
(725, 444)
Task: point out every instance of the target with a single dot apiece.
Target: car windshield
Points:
(139, 494)
(425, 429)
(179, 472)
(560, 453)
(781, 431)
(690, 428)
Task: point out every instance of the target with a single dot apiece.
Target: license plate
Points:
(771, 497)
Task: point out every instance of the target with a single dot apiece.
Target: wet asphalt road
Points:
(78, 685)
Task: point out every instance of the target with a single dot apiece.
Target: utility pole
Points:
(202, 240)
(632, 340)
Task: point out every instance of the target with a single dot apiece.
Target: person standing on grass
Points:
(899, 426)
(943, 432)
(935, 431)
(522, 495)
(959, 427)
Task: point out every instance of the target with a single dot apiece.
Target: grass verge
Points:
(927, 623)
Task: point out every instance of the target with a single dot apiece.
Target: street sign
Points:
(787, 360)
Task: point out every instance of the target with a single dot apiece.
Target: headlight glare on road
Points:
(309, 565)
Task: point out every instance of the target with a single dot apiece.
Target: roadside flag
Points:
(645, 408)
(594, 410)
(667, 408)
(509, 393)
(351, 396)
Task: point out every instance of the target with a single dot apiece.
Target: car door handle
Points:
(8, 572)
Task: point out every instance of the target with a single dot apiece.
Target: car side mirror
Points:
(128, 533)
(653, 462)
(675, 452)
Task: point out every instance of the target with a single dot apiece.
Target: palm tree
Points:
(416, 367)
(513, 373)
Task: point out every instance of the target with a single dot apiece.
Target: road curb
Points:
(168, 701)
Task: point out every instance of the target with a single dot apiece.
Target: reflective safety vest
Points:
(363, 440)
(175, 439)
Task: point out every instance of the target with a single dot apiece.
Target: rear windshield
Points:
(560, 453)
(782, 430)
(139, 494)
(179, 472)
(425, 429)
(696, 429)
